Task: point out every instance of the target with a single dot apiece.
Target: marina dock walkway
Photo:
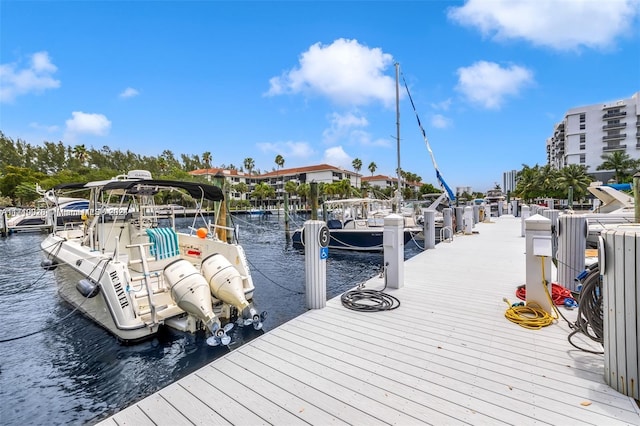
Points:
(446, 356)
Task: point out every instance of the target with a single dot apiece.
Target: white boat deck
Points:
(446, 356)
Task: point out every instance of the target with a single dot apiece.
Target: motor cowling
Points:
(190, 291)
(224, 280)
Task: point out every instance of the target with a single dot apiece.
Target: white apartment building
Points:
(277, 179)
(588, 132)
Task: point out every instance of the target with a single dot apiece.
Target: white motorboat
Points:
(128, 269)
(612, 207)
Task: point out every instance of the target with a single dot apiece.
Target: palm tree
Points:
(574, 175)
(620, 163)
(206, 159)
(249, 164)
(262, 191)
(372, 167)
(81, 154)
(279, 162)
(357, 165)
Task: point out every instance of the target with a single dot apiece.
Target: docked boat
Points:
(128, 268)
(612, 207)
(357, 224)
(49, 210)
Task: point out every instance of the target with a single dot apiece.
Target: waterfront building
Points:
(277, 179)
(509, 181)
(588, 132)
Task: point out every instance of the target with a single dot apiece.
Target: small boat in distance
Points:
(128, 268)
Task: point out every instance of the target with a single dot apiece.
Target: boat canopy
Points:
(195, 189)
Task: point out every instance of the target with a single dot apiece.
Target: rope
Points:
(11, 339)
(366, 300)
(531, 315)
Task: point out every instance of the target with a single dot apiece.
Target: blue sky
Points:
(314, 81)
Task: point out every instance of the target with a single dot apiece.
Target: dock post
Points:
(468, 220)
(429, 228)
(314, 200)
(636, 196)
(316, 241)
(447, 222)
(476, 214)
(524, 215)
(572, 242)
(286, 215)
(553, 216)
(393, 242)
(538, 261)
(500, 207)
(620, 308)
(514, 208)
(459, 211)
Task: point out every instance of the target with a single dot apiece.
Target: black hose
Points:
(590, 317)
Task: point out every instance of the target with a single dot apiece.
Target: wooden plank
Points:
(281, 396)
(195, 410)
(133, 416)
(248, 395)
(224, 405)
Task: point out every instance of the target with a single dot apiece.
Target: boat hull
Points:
(364, 240)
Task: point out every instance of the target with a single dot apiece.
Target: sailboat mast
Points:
(398, 129)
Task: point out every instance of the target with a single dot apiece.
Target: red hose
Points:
(558, 293)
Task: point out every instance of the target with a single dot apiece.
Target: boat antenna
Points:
(443, 184)
(398, 170)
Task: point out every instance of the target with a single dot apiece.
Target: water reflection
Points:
(76, 372)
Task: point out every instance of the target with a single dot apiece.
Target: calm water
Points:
(70, 371)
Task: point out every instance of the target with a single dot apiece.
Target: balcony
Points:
(614, 126)
(614, 137)
(614, 114)
(614, 148)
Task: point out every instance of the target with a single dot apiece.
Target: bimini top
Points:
(150, 187)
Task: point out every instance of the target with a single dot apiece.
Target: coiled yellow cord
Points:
(532, 316)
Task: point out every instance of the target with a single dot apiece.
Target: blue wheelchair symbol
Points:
(324, 252)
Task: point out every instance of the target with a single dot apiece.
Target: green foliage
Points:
(549, 182)
(623, 166)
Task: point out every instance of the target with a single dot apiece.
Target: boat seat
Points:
(334, 224)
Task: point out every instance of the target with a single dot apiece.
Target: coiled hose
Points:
(590, 319)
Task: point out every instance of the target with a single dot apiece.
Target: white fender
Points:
(224, 280)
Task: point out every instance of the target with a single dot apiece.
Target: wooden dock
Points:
(446, 356)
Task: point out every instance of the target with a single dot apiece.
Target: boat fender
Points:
(88, 288)
(48, 265)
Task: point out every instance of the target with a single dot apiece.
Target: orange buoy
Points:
(202, 232)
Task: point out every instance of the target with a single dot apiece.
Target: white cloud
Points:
(48, 129)
(335, 156)
(345, 71)
(129, 92)
(558, 24)
(488, 84)
(440, 121)
(35, 78)
(342, 125)
(288, 149)
(444, 105)
(84, 123)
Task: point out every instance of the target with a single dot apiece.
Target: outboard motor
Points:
(191, 292)
(226, 284)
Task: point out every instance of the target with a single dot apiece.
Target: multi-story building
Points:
(383, 182)
(588, 132)
(321, 173)
(509, 181)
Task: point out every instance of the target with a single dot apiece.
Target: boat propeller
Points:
(220, 336)
(251, 316)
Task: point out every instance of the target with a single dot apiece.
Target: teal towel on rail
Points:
(164, 242)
